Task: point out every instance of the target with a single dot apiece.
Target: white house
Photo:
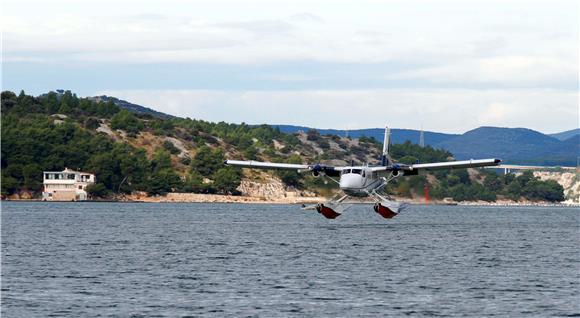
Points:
(67, 185)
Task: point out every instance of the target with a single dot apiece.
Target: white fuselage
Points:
(359, 181)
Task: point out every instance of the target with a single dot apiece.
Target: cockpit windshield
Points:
(357, 171)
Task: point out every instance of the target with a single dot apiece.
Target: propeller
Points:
(319, 169)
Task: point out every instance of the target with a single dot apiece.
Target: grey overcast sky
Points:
(446, 65)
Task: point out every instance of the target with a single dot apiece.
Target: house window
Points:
(80, 187)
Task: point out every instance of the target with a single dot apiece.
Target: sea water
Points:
(232, 260)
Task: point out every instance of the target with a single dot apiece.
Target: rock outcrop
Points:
(271, 189)
(570, 181)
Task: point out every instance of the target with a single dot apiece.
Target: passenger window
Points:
(363, 173)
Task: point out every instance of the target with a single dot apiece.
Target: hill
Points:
(514, 145)
(134, 108)
(566, 134)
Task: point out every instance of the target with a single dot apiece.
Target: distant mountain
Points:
(134, 108)
(513, 145)
(398, 136)
(566, 134)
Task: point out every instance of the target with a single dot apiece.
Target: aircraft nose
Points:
(351, 181)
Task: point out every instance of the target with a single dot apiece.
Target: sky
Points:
(445, 65)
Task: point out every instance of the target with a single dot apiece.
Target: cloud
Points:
(518, 71)
(439, 44)
(452, 65)
(454, 111)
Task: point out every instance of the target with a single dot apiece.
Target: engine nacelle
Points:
(400, 173)
(322, 170)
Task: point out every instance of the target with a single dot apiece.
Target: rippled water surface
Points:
(121, 259)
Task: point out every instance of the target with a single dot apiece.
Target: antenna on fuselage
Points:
(385, 159)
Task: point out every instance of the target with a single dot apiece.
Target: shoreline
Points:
(231, 199)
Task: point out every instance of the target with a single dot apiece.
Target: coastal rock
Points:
(570, 181)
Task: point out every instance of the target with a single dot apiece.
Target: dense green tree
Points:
(163, 181)
(548, 190)
(9, 185)
(161, 161)
(105, 167)
(409, 160)
(9, 100)
(250, 153)
(32, 174)
(66, 103)
(126, 121)
(92, 123)
(107, 109)
(525, 178)
(513, 190)
(493, 182)
(453, 180)
(207, 161)
(194, 183)
(97, 190)
(226, 180)
(423, 154)
(51, 103)
(291, 177)
(169, 146)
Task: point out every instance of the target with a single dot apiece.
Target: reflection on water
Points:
(119, 259)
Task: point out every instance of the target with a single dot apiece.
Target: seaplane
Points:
(364, 181)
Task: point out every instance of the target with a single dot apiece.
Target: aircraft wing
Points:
(415, 168)
(316, 169)
(266, 165)
(456, 164)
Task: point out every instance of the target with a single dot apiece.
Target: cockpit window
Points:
(357, 171)
(345, 171)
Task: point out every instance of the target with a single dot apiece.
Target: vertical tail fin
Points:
(385, 159)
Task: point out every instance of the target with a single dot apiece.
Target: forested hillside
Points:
(139, 152)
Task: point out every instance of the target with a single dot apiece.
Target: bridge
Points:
(509, 168)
